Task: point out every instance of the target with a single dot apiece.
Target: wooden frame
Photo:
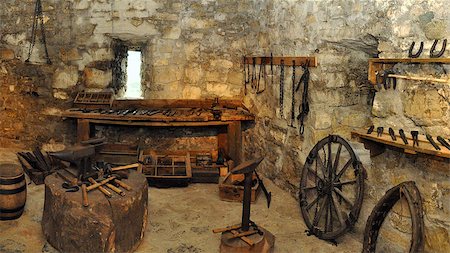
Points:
(378, 64)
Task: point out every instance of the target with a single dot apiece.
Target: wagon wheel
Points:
(331, 188)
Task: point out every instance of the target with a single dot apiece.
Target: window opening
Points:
(133, 85)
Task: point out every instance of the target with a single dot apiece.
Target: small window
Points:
(133, 86)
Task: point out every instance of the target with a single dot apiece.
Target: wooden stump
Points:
(262, 243)
(114, 224)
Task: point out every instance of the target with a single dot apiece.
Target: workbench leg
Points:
(222, 140)
(83, 130)
(234, 134)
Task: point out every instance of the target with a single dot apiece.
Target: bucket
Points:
(13, 191)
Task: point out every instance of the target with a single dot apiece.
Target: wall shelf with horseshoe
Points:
(378, 64)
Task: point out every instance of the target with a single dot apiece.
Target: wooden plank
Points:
(175, 103)
(222, 141)
(234, 140)
(288, 60)
(83, 130)
(424, 146)
(160, 124)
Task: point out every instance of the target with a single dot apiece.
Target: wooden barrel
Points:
(13, 191)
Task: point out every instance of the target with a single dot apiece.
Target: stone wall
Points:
(343, 35)
(194, 49)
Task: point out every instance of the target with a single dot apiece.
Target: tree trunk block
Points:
(114, 224)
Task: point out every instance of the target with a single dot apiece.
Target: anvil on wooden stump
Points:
(115, 224)
(247, 237)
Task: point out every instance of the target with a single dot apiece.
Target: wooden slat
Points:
(424, 146)
(288, 60)
(175, 103)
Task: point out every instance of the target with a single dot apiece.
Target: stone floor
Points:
(181, 220)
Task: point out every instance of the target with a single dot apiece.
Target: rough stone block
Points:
(95, 78)
(6, 54)
(65, 77)
(71, 54)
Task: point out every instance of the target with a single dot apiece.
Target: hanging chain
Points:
(304, 107)
(38, 18)
(246, 77)
(281, 88)
(293, 95)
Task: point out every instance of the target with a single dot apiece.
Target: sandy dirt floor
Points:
(181, 221)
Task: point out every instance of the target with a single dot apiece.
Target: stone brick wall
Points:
(194, 49)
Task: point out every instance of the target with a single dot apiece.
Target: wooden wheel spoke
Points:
(345, 182)
(329, 161)
(329, 217)
(312, 203)
(341, 194)
(321, 165)
(336, 159)
(337, 210)
(308, 188)
(315, 173)
(319, 214)
(349, 162)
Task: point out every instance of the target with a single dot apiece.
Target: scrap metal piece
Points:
(417, 54)
(370, 130)
(380, 131)
(433, 54)
(392, 134)
(403, 136)
(430, 139)
(443, 142)
(411, 193)
(415, 136)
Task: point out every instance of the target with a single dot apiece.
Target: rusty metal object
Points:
(443, 142)
(331, 188)
(415, 136)
(411, 48)
(403, 136)
(380, 131)
(370, 130)
(433, 53)
(392, 134)
(411, 193)
(432, 142)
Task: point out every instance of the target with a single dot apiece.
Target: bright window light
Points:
(133, 86)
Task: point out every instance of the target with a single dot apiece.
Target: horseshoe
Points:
(410, 53)
(433, 54)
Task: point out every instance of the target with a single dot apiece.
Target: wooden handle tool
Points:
(125, 167)
(221, 230)
(117, 190)
(101, 188)
(84, 195)
(96, 185)
(122, 184)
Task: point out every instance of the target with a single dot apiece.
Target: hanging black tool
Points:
(443, 142)
(293, 95)
(380, 131)
(370, 130)
(261, 68)
(281, 87)
(403, 136)
(430, 139)
(38, 18)
(415, 137)
(417, 54)
(271, 68)
(246, 76)
(392, 134)
(304, 106)
(254, 74)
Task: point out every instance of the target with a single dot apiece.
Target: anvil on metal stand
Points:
(247, 236)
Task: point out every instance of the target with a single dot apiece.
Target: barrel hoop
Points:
(11, 217)
(13, 191)
(3, 210)
(4, 181)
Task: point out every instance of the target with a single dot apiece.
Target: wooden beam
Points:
(234, 139)
(288, 60)
(83, 130)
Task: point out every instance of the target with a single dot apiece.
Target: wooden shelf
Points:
(378, 64)
(424, 146)
(288, 60)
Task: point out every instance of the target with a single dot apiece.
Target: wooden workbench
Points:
(233, 112)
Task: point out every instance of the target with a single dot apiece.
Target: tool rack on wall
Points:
(288, 60)
(379, 64)
(377, 144)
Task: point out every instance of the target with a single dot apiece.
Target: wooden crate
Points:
(231, 192)
(165, 170)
